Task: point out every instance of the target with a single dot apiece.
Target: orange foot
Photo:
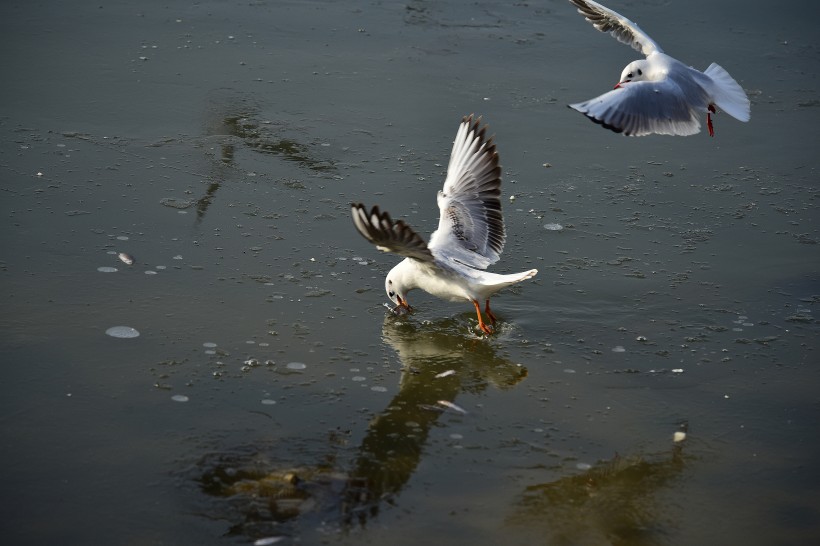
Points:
(484, 328)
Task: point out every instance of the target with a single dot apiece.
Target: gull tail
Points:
(513, 278)
(727, 93)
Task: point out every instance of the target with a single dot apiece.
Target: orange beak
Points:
(402, 303)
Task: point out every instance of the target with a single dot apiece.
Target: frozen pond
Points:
(194, 347)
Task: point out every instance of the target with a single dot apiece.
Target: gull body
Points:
(658, 94)
(469, 238)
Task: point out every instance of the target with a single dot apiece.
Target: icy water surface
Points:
(193, 342)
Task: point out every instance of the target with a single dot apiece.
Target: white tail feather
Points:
(728, 94)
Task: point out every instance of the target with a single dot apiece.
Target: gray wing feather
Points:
(624, 30)
(389, 236)
(643, 108)
(471, 225)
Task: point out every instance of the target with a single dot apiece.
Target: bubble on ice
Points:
(123, 332)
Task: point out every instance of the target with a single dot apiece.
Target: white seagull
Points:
(659, 94)
(470, 234)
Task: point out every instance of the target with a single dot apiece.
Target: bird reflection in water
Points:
(266, 493)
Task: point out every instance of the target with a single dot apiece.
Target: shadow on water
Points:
(233, 124)
(264, 492)
(611, 503)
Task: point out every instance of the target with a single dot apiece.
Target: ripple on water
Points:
(124, 332)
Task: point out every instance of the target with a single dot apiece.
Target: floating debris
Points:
(679, 436)
(106, 269)
(553, 227)
(177, 203)
(296, 365)
(445, 374)
(452, 406)
(126, 258)
(123, 332)
(180, 398)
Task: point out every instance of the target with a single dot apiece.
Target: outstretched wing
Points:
(388, 236)
(624, 30)
(471, 227)
(643, 108)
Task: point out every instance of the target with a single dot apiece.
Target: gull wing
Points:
(624, 30)
(471, 226)
(388, 236)
(643, 108)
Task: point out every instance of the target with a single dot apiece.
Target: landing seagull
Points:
(470, 234)
(659, 94)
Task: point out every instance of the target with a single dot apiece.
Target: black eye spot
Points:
(639, 72)
(391, 294)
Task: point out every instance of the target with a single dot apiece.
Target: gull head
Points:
(635, 71)
(396, 293)
(396, 287)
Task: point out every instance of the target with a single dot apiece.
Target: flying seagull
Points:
(470, 234)
(658, 94)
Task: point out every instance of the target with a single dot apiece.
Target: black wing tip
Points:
(602, 123)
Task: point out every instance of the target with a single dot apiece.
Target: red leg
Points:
(489, 313)
(709, 120)
(484, 327)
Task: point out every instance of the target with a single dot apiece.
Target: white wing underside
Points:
(471, 226)
(666, 107)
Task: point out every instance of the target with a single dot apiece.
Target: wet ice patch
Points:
(123, 332)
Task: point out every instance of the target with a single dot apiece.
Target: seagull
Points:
(658, 94)
(470, 234)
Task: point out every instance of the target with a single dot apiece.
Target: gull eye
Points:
(629, 75)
